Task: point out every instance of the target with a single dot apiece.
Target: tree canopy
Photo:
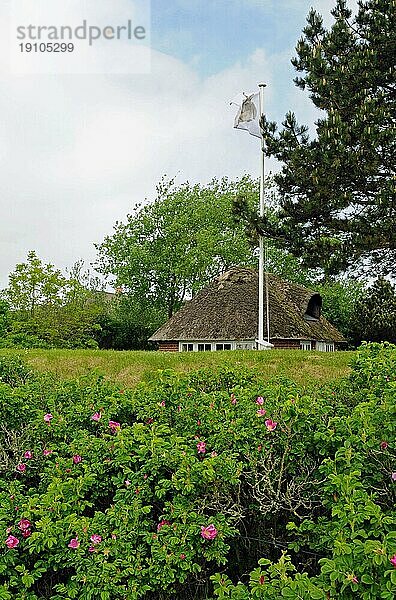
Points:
(337, 189)
(41, 307)
(169, 248)
(34, 284)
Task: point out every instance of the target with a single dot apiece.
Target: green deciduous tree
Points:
(169, 248)
(338, 200)
(127, 324)
(48, 309)
(4, 317)
(340, 302)
(32, 284)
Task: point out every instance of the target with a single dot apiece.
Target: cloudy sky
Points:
(78, 151)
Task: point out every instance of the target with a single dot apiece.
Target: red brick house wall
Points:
(286, 344)
(168, 346)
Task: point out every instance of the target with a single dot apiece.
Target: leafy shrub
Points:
(13, 371)
(109, 493)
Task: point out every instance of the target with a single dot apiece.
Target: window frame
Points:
(325, 346)
(187, 347)
(207, 347)
(305, 345)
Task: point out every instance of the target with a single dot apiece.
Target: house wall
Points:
(286, 344)
(290, 344)
(214, 345)
(279, 344)
(168, 346)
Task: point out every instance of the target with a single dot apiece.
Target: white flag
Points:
(248, 114)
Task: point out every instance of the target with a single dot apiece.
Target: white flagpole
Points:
(261, 239)
(267, 290)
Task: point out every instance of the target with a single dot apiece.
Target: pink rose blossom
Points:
(96, 416)
(21, 467)
(384, 445)
(48, 417)
(8, 530)
(213, 454)
(24, 524)
(114, 426)
(233, 399)
(393, 560)
(162, 523)
(74, 543)
(91, 549)
(393, 476)
(182, 556)
(113, 536)
(28, 454)
(47, 452)
(261, 412)
(26, 533)
(260, 400)
(270, 424)
(162, 403)
(209, 532)
(77, 459)
(355, 579)
(95, 539)
(127, 482)
(201, 447)
(11, 542)
(179, 408)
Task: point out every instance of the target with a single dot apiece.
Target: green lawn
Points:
(128, 368)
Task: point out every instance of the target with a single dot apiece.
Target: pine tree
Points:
(338, 201)
(374, 316)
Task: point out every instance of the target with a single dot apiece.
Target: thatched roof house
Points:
(224, 316)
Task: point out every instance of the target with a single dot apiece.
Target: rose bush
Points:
(178, 488)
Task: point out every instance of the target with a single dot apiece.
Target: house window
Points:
(223, 346)
(244, 346)
(187, 347)
(204, 347)
(306, 345)
(325, 346)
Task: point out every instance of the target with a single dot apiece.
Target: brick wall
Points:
(168, 346)
(286, 344)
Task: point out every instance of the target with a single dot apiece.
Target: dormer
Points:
(314, 307)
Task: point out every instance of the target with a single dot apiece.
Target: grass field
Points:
(128, 368)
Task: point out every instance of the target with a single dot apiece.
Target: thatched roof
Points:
(227, 309)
